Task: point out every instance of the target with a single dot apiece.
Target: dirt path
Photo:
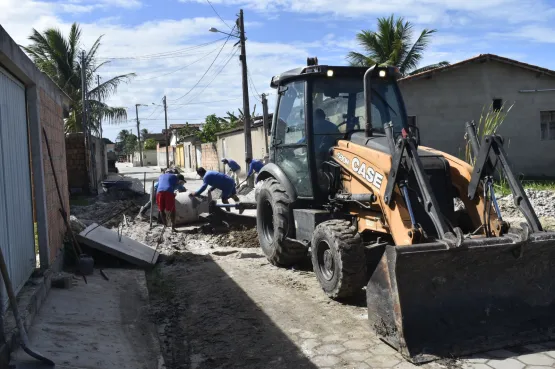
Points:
(229, 308)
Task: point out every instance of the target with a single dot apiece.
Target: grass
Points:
(489, 123)
(502, 187)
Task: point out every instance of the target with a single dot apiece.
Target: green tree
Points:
(60, 58)
(392, 45)
(130, 144)
(144, 134)
(150, 144)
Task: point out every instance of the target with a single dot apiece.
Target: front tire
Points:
(338, 258)
(274, 223)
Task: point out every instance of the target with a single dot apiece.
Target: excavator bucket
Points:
(431, 301)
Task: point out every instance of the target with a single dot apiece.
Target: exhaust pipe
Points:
(368, 100)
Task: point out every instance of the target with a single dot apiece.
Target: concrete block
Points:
(123, 247)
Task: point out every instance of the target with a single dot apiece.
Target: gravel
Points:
(542, 201)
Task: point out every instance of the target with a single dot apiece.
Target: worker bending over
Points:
(165, 196)
(220, 181)
(254, 166)
(180, 188)
(234, 169)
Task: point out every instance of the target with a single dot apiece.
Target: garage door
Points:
(16, 210)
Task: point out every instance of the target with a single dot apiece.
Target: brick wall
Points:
(209, 156)
(78, 176)
(51, 119)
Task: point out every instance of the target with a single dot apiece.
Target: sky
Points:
(168, 45)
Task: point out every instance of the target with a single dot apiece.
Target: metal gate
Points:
(16, 209)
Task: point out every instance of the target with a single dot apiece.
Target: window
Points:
(547, 125)
(290, 125)
(497, 104)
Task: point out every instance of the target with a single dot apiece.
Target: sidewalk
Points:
(100, 325)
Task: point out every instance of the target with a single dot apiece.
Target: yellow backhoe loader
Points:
(349, 183)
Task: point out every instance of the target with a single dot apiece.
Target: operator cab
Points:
(318, 105)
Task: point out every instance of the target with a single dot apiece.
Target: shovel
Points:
(24, 341)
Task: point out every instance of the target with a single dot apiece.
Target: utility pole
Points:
(84, 121)
(99, 117)
(139, 134)
(167, 140)
(265, 126)
(246, 105)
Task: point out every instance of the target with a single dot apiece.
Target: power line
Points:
(177, 70)
(233, 53)
(210, 66)
(215, 11)
(167, 54)
(208, 102)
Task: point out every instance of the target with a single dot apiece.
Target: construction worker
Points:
(165, 196)
(254, 166)
(220, 181)
(180, 188)
(234, 169)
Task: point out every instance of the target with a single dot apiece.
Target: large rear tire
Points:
(274, 222)
(338, 258)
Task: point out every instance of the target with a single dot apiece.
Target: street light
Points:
(213, 29)
(139, 132)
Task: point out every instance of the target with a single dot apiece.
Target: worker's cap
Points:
(224, 160)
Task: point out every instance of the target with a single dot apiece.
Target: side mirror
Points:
(414, 131)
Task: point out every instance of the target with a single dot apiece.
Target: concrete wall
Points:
(210, 160)
(79, 175)
(150, 158)
(77, 164)
(442, 104)
(190, 162)
(232, 145)
(46, 104)
(162, 155)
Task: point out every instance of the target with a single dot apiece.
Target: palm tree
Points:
(144, 134)
(391, 45)
(60, 59)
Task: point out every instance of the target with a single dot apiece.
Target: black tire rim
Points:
(268, 221)
(326, 261)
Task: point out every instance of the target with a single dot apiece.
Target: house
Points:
(33, 162)
(178, 152)
(441, 100)
(231, 143)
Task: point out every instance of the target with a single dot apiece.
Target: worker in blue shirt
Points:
(180, 188)
(220, 181)
(234, 169)
(254, 166)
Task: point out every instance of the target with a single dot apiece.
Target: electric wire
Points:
(210, 66)
(215, 11)
(167, 54)
(177, 70)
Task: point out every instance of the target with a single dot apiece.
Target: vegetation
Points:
(150, 144)
(144, 134)
(126, 142)
(59, 57)
(391, 45)
(489, 123)
(214, 124)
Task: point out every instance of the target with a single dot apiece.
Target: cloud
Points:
(535, 33)
(421, 11)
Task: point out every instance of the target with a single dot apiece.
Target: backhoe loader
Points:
(349, 184)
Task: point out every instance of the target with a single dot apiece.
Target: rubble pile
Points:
(542, 201)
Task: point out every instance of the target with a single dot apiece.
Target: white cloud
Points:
(533, 33)
(172, 76)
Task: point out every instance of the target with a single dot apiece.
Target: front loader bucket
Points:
(430, 301)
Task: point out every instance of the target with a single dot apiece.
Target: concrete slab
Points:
(102, 324)
(120, 246)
